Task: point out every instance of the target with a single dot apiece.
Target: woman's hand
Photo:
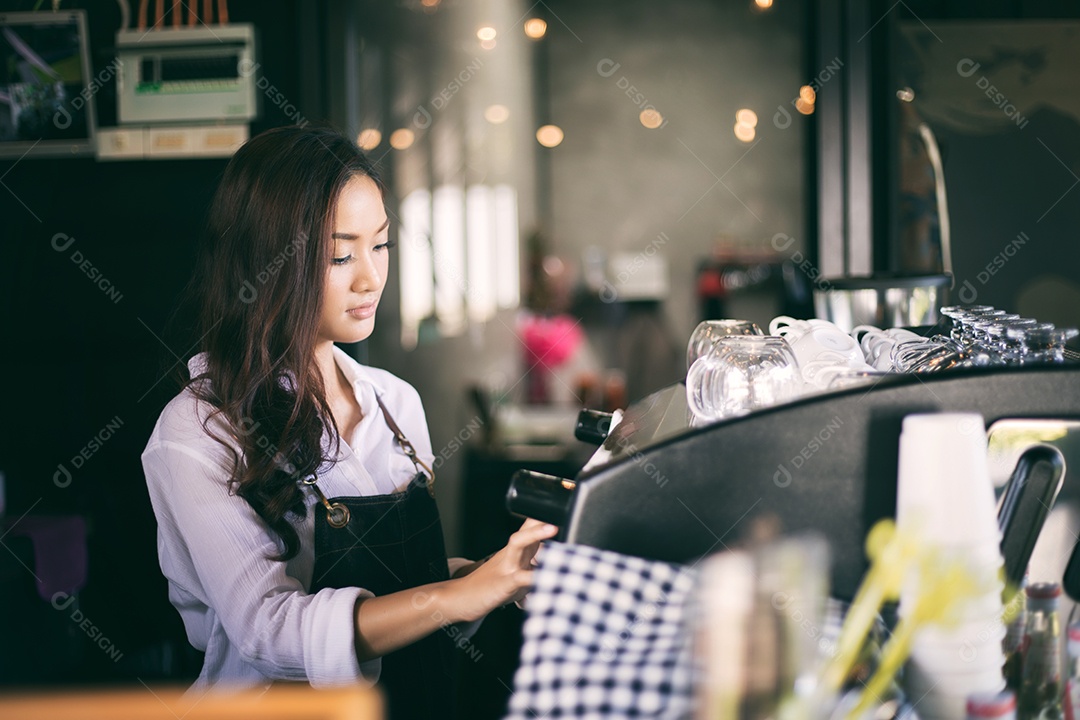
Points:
(503, 578)
(389, 622)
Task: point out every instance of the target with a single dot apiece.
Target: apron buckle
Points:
(337, 515)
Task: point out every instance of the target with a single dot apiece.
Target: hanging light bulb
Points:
(535, 28)
(650, 118)
(369, 139)
(496, 114)
(745, 132)
(549, 135)
(402, 138)
(747, 117)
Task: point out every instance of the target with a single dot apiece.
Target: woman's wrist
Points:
(459, 602)
(470, 567)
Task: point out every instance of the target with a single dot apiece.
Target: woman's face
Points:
(357, 273)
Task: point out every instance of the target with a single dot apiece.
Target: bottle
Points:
(1013, 643)
(1072, 679)
(992, 706)
(614, 390)
(1041, 690)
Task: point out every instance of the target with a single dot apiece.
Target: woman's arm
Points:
(216, 553)
(389, 622)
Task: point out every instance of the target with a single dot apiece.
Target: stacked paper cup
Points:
(945, 496)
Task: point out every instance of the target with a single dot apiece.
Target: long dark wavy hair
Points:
(259, 287)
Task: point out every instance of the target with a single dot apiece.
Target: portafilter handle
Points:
(1029, 496)
(544, 497)
(593, 426)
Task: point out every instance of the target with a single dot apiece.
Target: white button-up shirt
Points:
(251, 615)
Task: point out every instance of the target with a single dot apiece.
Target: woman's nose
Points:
(367, 276)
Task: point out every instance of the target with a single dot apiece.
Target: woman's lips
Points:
(363, 312)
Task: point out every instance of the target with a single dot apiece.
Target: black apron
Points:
(388, 543)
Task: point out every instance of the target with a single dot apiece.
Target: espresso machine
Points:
(659, 488)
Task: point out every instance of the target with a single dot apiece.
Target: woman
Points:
(290, 483)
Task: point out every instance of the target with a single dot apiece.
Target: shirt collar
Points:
(197, 364)
(356, 373)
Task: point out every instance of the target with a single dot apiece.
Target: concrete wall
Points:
(619, 186)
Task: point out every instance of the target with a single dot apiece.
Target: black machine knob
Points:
(593, 426)
(543, 497)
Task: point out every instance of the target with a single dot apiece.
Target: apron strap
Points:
(337, 514)
(407, 446)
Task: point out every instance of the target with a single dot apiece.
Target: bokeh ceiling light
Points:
(763, 4)
(746, 117)
(430, 4)
(650, 118)
(804, 107)
(401, 138)
(486, 33)
(553, 265)
(369, 139)
(549, 135)
(535, 28)
(744, 132)
(487, 44)
(496, 114)
(807, 93)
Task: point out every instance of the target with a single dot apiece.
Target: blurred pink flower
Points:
(549, 341)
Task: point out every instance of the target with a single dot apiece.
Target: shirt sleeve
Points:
(218, 550)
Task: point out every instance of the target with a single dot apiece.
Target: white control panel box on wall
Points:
(179, 75)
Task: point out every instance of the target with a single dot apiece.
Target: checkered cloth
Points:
(605, 637)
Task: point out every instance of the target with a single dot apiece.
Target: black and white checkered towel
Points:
(606, 637)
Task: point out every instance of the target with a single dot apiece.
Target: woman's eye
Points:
(386, 245)
(341, 260)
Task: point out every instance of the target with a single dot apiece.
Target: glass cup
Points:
(1022, 340)
(708, 332)
(1041, 343)
(930, 355)
(742, 374)
(1011, 348)
(985, 337)
(879, 345)
(971, 323)
(960, 314)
